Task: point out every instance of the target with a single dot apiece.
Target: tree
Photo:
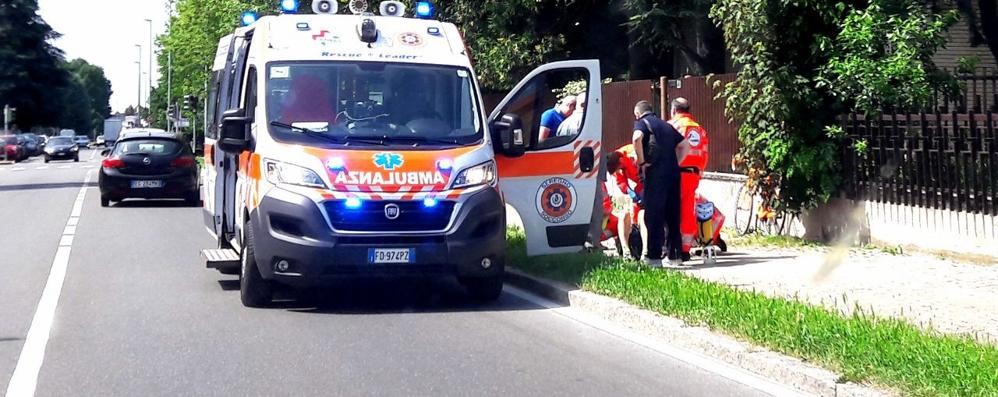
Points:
(97, 87)
(30, 75)
(75, 111)
(683, 27)
(130, 111)
(806, 62)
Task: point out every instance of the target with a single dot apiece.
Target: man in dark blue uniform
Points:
(660, 149)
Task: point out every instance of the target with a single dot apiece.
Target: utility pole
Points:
(151, 51)
(169, 86)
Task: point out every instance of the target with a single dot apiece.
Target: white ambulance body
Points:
(334, 153)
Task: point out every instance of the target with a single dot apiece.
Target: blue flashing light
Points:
(445, 165)
(429, 202)
(353, 203)
(289, 6)
(424, 10)
(248, 18)
(336, 164)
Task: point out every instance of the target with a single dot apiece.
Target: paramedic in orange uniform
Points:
(690, 169)
(622, 164)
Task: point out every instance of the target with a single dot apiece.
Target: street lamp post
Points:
(138, 104)
(151, 51)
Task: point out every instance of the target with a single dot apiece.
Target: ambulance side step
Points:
(219, 258)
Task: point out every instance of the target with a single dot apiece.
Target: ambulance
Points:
(356, 145)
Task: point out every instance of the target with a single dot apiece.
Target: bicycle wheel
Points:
(744, 211)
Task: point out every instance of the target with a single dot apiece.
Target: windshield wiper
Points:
(330, 138)
(306, 131)
(426, 140)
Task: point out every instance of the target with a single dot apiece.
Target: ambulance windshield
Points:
(366, 103)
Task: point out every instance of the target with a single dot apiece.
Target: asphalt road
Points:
(139, 314)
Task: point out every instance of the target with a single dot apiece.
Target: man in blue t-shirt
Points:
(660, 172)
(552, 118)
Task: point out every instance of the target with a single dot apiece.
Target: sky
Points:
(91, 32)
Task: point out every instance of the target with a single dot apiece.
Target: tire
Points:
(485, 289)
(47, 159)
(254, 291)
(77, 158)
(193, 199)
(105, 202)
(722, 244)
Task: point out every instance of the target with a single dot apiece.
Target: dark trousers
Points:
(662, 212)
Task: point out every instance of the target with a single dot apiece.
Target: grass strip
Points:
(862, 347)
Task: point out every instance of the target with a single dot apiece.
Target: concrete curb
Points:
(777, 367)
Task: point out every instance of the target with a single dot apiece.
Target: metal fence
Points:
(978, 93)
(932, 160)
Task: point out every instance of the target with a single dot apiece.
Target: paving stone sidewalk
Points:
(929, 291)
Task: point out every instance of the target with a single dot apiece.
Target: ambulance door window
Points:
(549, 107)
(213, 102)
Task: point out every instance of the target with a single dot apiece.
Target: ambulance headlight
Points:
(283, 173)
(482, 174)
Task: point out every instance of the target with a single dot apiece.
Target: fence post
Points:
(663, 97)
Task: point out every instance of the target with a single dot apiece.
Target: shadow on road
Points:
(386, 296)
(10, 339)
(42, 186)
(144, 203)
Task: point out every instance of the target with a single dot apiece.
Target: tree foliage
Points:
(805, 62)
(30, 76)
(97, 88)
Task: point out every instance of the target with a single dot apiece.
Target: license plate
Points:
(391, 255)
(147, 184)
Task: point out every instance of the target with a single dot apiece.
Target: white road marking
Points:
(18, 169)
(63, 167)
(69, 230)
(44, 167)
(92, 155)
(692, 358)
(24, 381)
(73, 221)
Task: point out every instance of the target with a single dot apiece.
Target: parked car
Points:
(150, 166)
(62, 148)
(82, 140)
(31, 147)
(99, 141)
(12, 148)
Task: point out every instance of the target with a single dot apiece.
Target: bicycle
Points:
(756, 214)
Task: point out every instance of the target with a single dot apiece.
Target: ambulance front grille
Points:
(413, 216)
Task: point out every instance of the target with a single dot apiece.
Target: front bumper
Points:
(292, 227)
(117, 186)
(62, 155)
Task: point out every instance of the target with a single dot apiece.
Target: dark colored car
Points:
(31, 147)
(82, 140)
(150, 166)
(13, 150)
(62, 148)
(33, 143)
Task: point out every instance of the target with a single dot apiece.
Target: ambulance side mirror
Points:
(232, 134)
(508, 135)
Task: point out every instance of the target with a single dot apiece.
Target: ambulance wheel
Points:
(254, 291)
(721, 244)
(484, 289)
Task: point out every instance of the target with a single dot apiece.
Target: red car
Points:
(13, 150)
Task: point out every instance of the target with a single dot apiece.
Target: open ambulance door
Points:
(552, 181)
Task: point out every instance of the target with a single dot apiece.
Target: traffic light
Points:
(190, 102)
